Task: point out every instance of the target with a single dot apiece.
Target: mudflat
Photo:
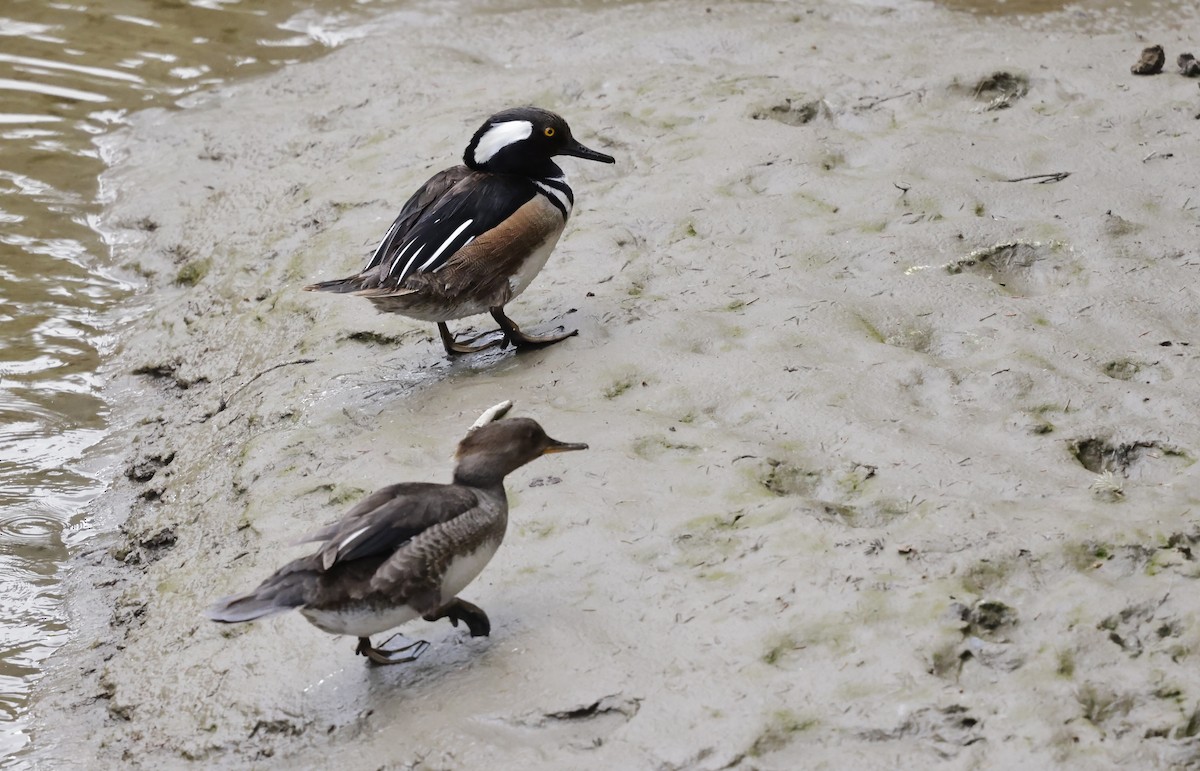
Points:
(887, 362)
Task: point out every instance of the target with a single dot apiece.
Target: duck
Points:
(474, 236)
(405, 551)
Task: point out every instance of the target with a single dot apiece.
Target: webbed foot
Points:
(522, 341)
(384, 655)
(460, 610)
(456, 348)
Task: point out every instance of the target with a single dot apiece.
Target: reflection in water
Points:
(69, 72)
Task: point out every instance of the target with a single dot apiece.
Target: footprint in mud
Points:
(1100, 704)
(791, 113)
(1146, 460)
(1177, 553)
(879, 513)
(999, 90)
(985, 629)
(581, 727)
(1023, 269)
(1140, 371)
(948, 729)
(827, 490)
(1140, 628)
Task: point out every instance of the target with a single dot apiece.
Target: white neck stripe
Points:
(500, 136)
(555, 193)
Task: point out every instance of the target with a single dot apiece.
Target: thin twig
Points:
(225, 401)
(878, 100)
(1042, 179)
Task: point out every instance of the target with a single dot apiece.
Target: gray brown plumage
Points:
(406, 550)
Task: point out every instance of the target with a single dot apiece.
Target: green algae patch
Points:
(192, 272)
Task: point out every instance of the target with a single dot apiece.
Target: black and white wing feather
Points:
(471, 208)
(420, 202)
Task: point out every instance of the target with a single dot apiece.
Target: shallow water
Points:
(1094, 15)
(69, 73)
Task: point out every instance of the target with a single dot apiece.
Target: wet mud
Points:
(888, 389)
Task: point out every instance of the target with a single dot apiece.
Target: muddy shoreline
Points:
(892, 458)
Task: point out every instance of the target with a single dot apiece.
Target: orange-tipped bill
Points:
(557, 446)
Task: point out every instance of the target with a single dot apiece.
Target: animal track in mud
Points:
(1175, 554)
(948, 728)
(783, 478)
(1000, 89)
(878, 513)
(792, 113)
(916, 337)
(1142, 460)
(826, 491)
(985, 627)
(1100, 704)
(988, 618)
(1024, 269)
(1142, 372)
(1138, 627)
(584, 726)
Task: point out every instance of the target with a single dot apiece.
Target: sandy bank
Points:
(865, 489)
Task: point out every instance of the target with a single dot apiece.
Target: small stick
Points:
(875, 101)
(1057, 176)
(227, 399)
(1157, 154)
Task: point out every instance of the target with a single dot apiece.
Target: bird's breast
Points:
(463, 568)
(526, 271)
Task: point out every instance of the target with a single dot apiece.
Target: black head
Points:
(522, 140)
(490, 452)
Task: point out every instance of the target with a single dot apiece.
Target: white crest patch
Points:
(500, 136)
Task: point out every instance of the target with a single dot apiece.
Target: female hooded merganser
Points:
(406, 550)
(475, 236)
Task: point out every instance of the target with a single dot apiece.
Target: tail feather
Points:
(279, 593)
(372, 277)
(339, 285)
(384, 291)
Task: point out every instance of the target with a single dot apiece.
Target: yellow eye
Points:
(549, 131)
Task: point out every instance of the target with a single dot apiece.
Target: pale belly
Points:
(520, 281)
(359, 620)
(463, 570)
(375, 615)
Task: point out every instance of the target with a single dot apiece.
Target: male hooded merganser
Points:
(406, 550)
(474, 236)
